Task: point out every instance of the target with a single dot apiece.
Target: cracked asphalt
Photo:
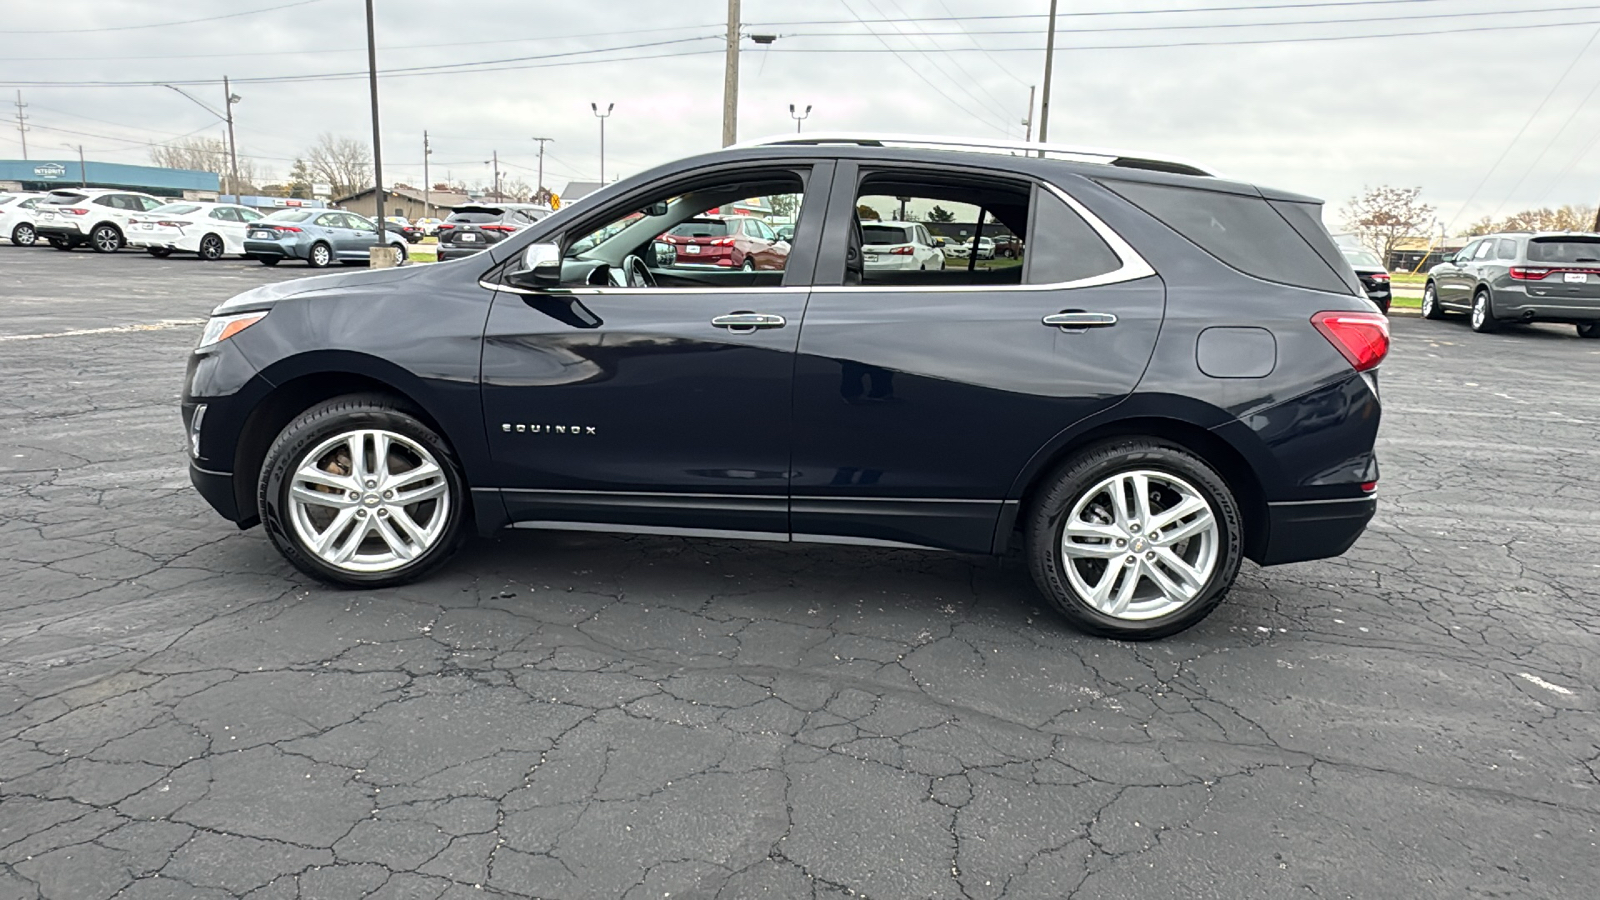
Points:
(182, 715)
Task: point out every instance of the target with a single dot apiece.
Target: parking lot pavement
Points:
(183, 715)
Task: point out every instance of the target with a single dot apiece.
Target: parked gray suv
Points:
(1520, 278)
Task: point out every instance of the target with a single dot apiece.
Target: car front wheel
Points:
(1135, 539)
(357, 491)
(23, 235)
(320, 256)
(1589, 330)
(212, 247)
(1430, 303)
(1483, 320)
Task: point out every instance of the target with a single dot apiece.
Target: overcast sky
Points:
(1323, 117)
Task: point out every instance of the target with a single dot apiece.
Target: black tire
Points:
(748, 266)
(1075, 480)
(327, 420)
(1430, 303)
(158, 252)
(320, 256)
(61, 243)
(212, 247)
(1589, 330)
(24, 235)
(106, 238)
(1483, 320)
(401, 254)
(269, 261)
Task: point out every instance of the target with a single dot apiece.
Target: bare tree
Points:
(1383, 215)
(340, 162)
(204, 154)
(1567, 218)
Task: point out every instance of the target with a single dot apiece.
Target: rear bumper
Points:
(60, 229)
(1552, 307)
(1316, 529)
(269, 249)
(457, 251)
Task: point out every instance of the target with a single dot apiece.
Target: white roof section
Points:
(1071, 152)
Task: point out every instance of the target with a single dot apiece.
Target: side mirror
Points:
(658, 208)
(540, 268)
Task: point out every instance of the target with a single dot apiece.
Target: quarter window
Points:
(1506, 249)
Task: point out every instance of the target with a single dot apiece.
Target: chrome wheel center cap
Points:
(1138, 545)
(370, 500)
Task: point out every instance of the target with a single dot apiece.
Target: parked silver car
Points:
(321, 237)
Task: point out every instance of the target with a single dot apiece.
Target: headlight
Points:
(220, 328)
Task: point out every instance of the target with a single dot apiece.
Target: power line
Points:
(1581, 105)
(966, 78)
(1118, 12)
(997, 63)
(248, 12)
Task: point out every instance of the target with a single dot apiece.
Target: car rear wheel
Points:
(320, 257)
(1136, 538)
(106, 239)
(1589, 330)
(158, 252)
(748, 265)
(212, 247)
(1430, 303)
(1483, 320)
(24, 235)
(357, 491)
(401, 254)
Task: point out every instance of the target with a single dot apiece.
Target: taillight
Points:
(722, 242)
(1379, 276)
(75, 211)
(167, 224)
(1361, 337)
(902, 251)
(294, 228)
(445, 226)
(497, 227)
(1523, 273)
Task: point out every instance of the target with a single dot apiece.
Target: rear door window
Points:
(1245, 232)
(331, 220)
(1064, 247)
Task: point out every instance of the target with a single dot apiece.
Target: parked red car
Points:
(729, 242)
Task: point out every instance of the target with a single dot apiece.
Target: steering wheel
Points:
(632, 273)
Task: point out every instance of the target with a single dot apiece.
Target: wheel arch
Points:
(1197, 434)
(295, 385)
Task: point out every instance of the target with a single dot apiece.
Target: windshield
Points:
(1362, 257)
(288, 215)
(1564, 250)
(702, 228)
(176, 209)
(884, 234)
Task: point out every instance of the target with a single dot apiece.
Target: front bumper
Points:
(1314, 529)
(217, 489)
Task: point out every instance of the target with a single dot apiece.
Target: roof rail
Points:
(1072, 152)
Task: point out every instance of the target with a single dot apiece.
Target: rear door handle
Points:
(746, 322)
(1077, 319)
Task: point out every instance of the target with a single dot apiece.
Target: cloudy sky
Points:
(1483, 111)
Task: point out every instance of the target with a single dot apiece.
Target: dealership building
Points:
(48, 174)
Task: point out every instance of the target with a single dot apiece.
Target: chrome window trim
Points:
(1133, 268)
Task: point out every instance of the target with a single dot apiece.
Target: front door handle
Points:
(746, 322)
(1079, 320)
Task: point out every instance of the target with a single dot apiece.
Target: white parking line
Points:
(1545, 684)
(163, 325)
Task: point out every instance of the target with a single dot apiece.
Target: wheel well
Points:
(1216, 452)
(280, 407)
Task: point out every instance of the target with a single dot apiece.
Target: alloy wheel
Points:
(321, 255)
(211, 247)
(24, 236)
(1430, 302)
(1140, 544)
(107, 239)
(369, 501)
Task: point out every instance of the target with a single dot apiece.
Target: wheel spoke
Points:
(1141, 497)
(426, 492)
(326, 539)
(310, 497)
(416, 533)
(310, 474)
(1192, 581)
(1119, 500)
(1102, 591)
(352, 543)
(1130, 581)
(380, 456)
(1108, 550)
(356, 446)
(403, 480)
(1186, 507)
(397, 544)
(1174, 591)
(1197, 525)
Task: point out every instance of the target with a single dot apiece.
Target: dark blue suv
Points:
(1178, 372)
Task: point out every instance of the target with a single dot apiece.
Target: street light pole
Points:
(1049, 63)
(1029, 120)
(798, 117)
(730, 79)
(230, 98)
(603, 116)
(427, 184)
(377, 143)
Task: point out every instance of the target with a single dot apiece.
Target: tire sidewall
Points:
(317, 425)
(1488, 324)
(1430, 302)
(24, 235)
(1063, 491)
(214, 241)
(94, 238)
(311, 256)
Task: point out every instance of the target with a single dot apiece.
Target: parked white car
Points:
(888, 246)
(428, 224)
(69, 217)
(16, 217)
(209, 230)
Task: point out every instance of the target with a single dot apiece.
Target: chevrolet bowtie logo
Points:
(522, 428)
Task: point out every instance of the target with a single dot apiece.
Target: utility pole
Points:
(730, 79)
(1029, 120)
(229, 98)
(22, 127)
(1596, 220)
(539, 190)
(603, 116)
(377, 142)
(83, 169)
(798, 117)
(1044, 105)
(496, 163)
(427, 185)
